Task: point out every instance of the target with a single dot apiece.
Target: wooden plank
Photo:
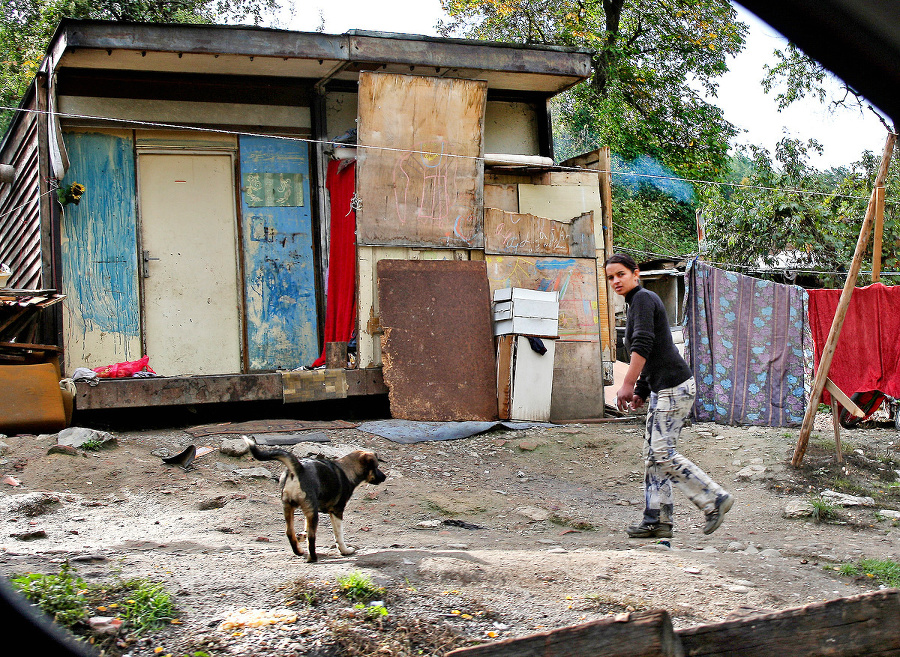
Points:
(834, 334)
(879, 229)
(437, 345)
(559, 201)
(846, 627)
(504, 374)
(501, 196)
(835, 421)
(574, 278)
(420, 172)
(526, 234)
(844, 400)
(313, 385)
(638, 634)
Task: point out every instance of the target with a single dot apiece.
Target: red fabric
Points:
(340, 304)
(122, 370)
(868, 349)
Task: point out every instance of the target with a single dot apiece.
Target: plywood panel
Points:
(437, 346)
(101, 317)
(526, 234)
(578, 385)
(420, 178)
(501, 196)
(559, 201)
(574, 278)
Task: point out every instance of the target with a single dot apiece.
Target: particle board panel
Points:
(578, 385)
(527, 234)
(420, 172)
(437, 347)
(574, 278)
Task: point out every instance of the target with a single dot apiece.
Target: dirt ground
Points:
(494, 536)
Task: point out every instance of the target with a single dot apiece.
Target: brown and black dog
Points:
(319, 485)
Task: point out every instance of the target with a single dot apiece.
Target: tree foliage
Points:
(26, 27)
(785, 206)
(652, 61)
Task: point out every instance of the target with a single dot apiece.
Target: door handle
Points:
(146, 263)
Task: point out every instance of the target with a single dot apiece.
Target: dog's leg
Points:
(337, 523)
(291, 534)
(312, 524)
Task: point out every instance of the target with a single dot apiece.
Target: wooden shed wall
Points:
(20, 220)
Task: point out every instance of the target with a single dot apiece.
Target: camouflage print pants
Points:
(664, 465)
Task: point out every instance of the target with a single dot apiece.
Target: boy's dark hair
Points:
(621, 259)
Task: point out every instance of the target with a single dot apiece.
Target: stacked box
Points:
(526, 312)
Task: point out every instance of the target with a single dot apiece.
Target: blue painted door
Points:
(279, 274)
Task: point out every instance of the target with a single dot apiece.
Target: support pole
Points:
(876, 239)
(843, 304)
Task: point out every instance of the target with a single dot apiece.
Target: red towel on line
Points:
(868, 350)
(340, 304)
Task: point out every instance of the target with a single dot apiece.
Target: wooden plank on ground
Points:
(437, 348)
(527, 234)
(420, 173)
(638, 634)
(855, 626)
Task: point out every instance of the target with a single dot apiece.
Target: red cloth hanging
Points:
(340, 304)
(868, 349)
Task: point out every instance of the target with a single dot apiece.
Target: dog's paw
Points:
(347, 550)
(311, 558)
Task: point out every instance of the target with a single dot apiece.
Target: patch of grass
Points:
(884, 571)
(92, 445)
(371, 612)
(146, 605)
(358, 587)
(59, 596)
(823, 510)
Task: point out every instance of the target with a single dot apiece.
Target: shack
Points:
(210, 164)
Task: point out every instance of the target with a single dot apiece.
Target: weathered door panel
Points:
(188, 230)
(101, 320)
(279, 287)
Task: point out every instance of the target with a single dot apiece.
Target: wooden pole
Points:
(876, 239)
(843, 304)
(836, 422)
(605, 164)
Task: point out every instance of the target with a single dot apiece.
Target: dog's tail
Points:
(290, 461)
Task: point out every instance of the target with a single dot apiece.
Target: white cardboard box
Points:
(526, 312)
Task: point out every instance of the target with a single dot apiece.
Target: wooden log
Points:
(639, 634)
(859, 625)
(831, 342)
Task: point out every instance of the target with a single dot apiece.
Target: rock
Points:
(753, 472)
(739, 589)
(213, 503)
(846, 500)
(533, 513)
(30, 535)
(889, 513)
(557, 550)
(259, 472)
(105, 624)
(798, 509)
(234, 447)
(770, 552)
(529, 445)
(735, 546)
(63, 449)
(78, 436)
(4, 448)
(32, 504)
(313, 450)
(751, 549)
(457, 546)
(428, 524)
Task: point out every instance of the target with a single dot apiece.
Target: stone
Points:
(212, 503)
(533, 513)
(754, 472)
(260, 472)
(846, 500)
(32, 504)
(234, 447)
(798, 509)
(78, 436)
(770, 552)
(63, 449)
(735, 546)
(4, 448)
(889, 513)
(105, 624)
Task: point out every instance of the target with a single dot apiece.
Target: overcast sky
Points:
(845, 135)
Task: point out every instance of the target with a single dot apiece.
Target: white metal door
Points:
(189, 263)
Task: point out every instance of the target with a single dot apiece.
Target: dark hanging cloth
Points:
(537, 345)
(748, 344)
(340, 304)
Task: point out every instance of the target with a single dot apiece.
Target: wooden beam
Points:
(843, 399)
(836, 423)
(879, 229)
(843, 304)
(605, 165)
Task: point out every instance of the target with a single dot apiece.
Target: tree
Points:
(651, 62)
(26, 27)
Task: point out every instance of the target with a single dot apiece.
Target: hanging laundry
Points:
(340, 304)
(867, 356)
(748, 343)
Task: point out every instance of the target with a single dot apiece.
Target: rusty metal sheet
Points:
(437, 347)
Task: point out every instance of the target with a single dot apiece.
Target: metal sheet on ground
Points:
(437, 347)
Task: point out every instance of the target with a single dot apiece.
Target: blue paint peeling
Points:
(278, 261)
(99, 256)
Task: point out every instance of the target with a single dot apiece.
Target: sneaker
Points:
(715, 517)
(647, 530)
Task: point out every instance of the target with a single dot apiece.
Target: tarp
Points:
(410, 431)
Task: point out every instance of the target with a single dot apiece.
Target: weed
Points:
(59, 596)
(372, 612)
(92, 445)
(564, 521)
(147, 606)
(358, 587)
(823, 510)
(433, 506)
(885, 571)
